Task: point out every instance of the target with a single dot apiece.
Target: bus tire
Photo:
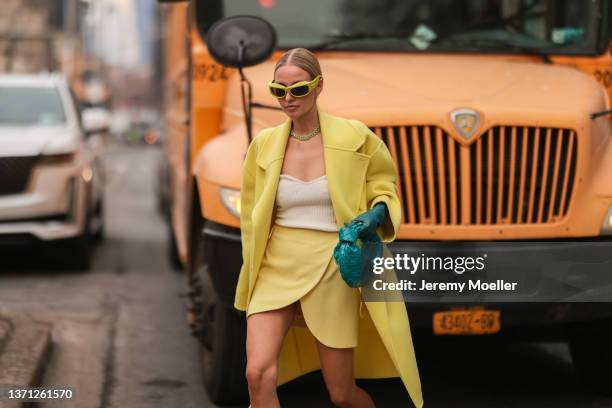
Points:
(222, 346)
(591, 351)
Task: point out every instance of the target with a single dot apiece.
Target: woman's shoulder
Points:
(361, 135)
(356, 125)
(258, 140)
(372, 142)
(264, 134)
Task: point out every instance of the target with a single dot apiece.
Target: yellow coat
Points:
(360, 173)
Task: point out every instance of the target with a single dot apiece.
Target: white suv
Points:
(50, 185)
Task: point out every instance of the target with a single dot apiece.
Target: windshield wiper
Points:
(334, 39)
(484, 42)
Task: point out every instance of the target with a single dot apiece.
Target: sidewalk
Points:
(25, 348)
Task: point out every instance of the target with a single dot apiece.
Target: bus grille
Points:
(509, 175)
(15, 173)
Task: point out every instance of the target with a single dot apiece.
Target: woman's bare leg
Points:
(265, 334)
(337, 368)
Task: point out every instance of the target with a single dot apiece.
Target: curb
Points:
(25, 348)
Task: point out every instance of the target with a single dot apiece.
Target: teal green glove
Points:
(369, 221)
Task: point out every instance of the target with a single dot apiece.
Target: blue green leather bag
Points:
(358, 246)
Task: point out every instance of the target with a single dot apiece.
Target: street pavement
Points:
(119, 337)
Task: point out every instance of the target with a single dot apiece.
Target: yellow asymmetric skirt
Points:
(298, 266)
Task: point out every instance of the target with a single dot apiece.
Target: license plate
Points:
(461, 322)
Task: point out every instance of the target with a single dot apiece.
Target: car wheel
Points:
(78, 251)
(222, 333)
(591, 350)
(100, 233)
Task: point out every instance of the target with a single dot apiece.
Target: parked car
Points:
(136, 132)
(144, 132)
(52, 187)
(156, 134)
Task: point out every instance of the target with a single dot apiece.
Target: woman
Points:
(302, 181)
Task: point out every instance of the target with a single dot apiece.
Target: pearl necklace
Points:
(309, 136)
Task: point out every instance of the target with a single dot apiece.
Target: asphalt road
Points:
(120, 338)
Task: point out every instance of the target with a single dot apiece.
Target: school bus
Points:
(495, 113)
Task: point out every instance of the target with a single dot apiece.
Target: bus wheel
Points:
(223, 353)
(591, 350)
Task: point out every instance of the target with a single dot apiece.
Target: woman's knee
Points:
(260, 375)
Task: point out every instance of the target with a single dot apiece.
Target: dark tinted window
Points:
(557, 27)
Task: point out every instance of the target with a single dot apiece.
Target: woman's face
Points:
(292, 106)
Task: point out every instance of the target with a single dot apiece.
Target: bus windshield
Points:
(512, 26)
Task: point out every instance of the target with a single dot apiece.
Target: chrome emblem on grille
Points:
(466, 121)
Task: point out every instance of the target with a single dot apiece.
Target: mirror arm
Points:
(245, 89)
(599, 114)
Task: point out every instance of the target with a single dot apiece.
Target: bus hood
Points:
(379, 88)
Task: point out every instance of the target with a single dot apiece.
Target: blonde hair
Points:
(301, 58)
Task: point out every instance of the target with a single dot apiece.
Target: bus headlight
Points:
(231, 200)
(606, 227)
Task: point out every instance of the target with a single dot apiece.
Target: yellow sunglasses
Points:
(297, 90)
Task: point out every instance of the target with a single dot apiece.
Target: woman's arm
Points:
(381, 179)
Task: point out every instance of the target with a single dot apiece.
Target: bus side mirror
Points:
(241, 41)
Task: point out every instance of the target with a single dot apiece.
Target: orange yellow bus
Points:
(495, 115)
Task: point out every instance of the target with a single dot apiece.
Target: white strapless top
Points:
(304, 204)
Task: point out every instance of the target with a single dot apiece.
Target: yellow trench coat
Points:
(360, 173)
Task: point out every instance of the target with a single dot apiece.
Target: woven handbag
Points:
(355, 256)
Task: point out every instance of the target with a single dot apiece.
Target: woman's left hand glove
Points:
(367, 223)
